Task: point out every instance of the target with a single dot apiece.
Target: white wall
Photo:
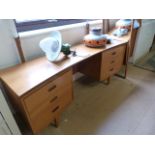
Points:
(8, 50)
(144, 39)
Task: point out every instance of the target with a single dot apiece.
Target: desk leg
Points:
(125, 64)
(56, 121)
(124, 72)
(126, 61)
(107, 82)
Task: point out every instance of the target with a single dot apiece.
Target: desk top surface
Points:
(23, 77)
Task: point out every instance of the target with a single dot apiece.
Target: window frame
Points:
(46, 23)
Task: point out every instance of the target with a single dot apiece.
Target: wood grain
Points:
(103, 65)
(20, 50)
(41, 89)
(24, 77)
(40, 107)
(112, 61)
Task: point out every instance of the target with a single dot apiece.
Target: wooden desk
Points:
(41, 90)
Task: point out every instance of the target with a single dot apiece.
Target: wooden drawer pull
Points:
(55, 109)
(53, 99)
(112, 62)
(111, 69)
(53, 87)
(113, 53)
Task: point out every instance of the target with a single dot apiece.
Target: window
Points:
(34, 24)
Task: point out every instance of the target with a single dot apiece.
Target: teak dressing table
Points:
(40, 90)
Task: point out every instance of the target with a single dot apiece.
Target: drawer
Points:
(61, 100)
(114, 63)
(65, 97)
(112, 60)
(113, 70)
(110, 69)
(48, 91)
(114, 53)
(44, 108)
(43, 119)
(46, 114)
(107, 72)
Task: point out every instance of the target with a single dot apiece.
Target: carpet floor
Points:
(148, 61)
(125, 106)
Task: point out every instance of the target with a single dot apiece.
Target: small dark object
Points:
(74, 53)
(108, 41)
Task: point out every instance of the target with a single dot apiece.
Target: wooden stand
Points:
(20, 51)
(105, 26)
(87, 28)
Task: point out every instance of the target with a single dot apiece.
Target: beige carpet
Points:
(123, 107)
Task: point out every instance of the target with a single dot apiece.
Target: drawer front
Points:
(48, 110)
(65, 97)
(114, 53)
(43, 116)
(112, 61)
(48, 101)
(41, 121)
(49, 105)
(48, 91)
